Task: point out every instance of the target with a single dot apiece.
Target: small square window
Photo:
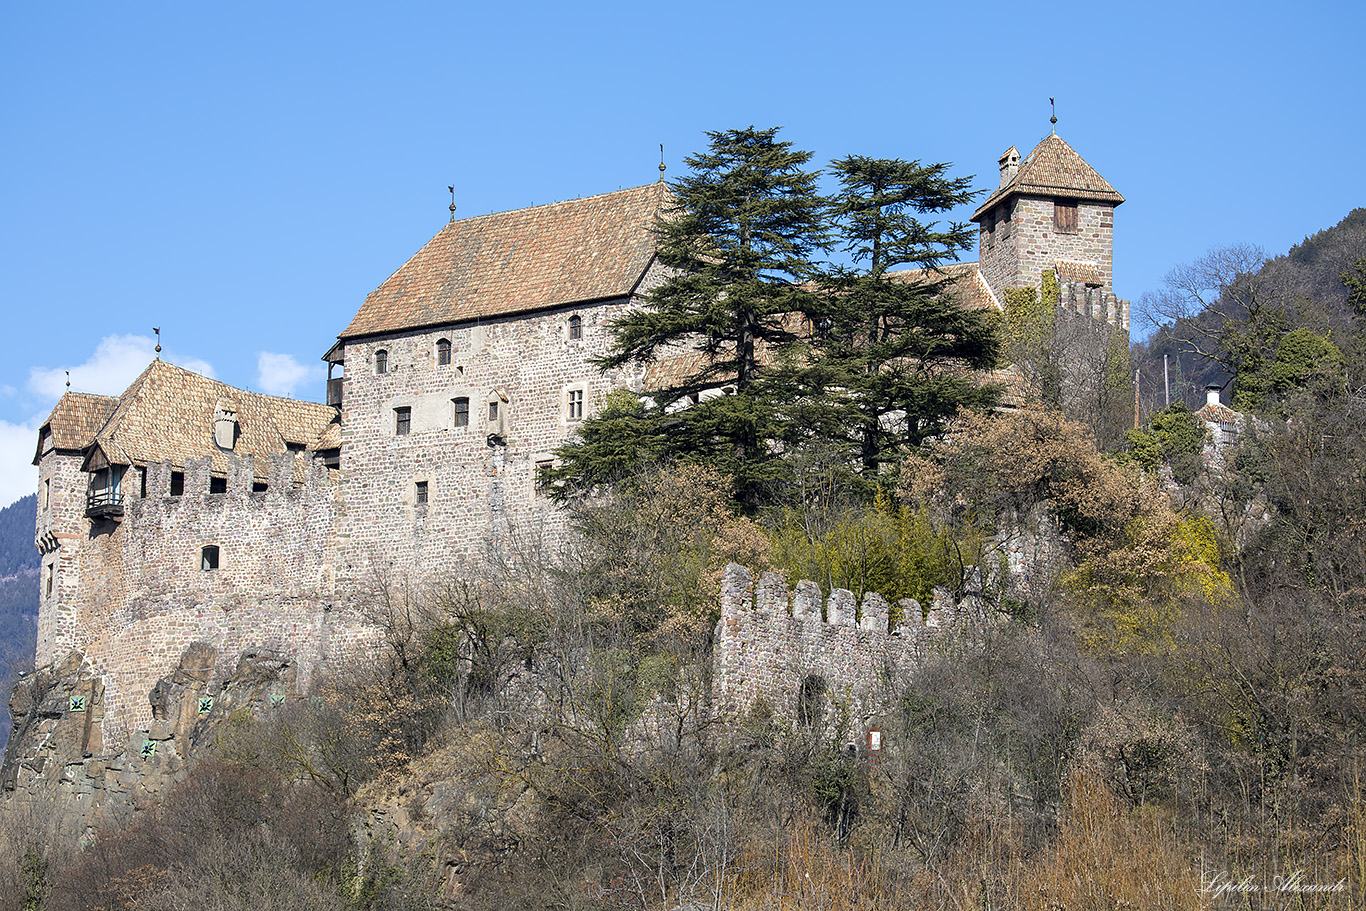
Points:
(177, 483)
(218, 485)
(403, 421)
(208, 557)
(575, 404)
(462, 412)
(420, 496)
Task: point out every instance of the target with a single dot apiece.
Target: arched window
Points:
(576, 327)
(381, 361)
(443, 352)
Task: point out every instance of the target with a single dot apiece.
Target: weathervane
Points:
(452, 189)
(661, 162)
(68, 379)
(1054, 119)
(157, 330)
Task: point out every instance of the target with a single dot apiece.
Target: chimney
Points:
(1010, 163)
(1212, 396)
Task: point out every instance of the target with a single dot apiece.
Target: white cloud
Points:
(281, 374)
(18, 477)
(117, 361)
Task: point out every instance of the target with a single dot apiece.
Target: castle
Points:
(187, 511)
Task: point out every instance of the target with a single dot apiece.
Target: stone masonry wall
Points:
(133, 592)
(481, 478)
(59, 534)
(768, 644)
(1039, 245)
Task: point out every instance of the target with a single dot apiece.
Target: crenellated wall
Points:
(774, 644)
(131, 592)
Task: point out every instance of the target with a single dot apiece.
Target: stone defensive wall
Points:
(780, 647)
(242, 563)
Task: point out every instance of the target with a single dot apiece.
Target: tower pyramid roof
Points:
(1053, 169)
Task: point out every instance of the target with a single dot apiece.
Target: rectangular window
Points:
(493, 412)
(142, 483)
(443, 352)
(576, 404)
(1065, 216)
(51, 571)
(421, 494)
(539, 481)
(403, 421)
(218, 485)
(47, 492)
(258, 487)
(177, 483)
(208, 557)
(462, 412)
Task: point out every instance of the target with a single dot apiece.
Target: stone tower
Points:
(1052, 211)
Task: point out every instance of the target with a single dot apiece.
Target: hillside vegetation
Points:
(1166, 708)
(19, 563)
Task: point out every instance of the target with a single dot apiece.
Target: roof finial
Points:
(68, 380)
(157, 330)
(661, 162)
(1054, 119)
(452, 189)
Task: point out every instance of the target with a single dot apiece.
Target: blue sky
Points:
(241, 175)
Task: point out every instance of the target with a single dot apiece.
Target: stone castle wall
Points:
(772, 645)
(60, 533)
(133, 592)
(481, 478)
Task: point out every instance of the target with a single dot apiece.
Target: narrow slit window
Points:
(51, 571)
(443, 352)
(462, 412)
(142, 483)
(208, 557)
(420, 495)
(47, 492)
(177, 483)
(403, 421)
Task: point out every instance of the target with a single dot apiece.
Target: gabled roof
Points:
(167, 415)
(75, 421)
(513, 262)
(1053, 169)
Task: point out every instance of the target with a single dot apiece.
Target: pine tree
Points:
(890, 362)
(738, 243)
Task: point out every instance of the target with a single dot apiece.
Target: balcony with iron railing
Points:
(104, 503)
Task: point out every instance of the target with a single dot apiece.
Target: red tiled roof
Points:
(1053, 169)
(167, 415)
(513, 262)
(1090, 273)
(76, 420)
